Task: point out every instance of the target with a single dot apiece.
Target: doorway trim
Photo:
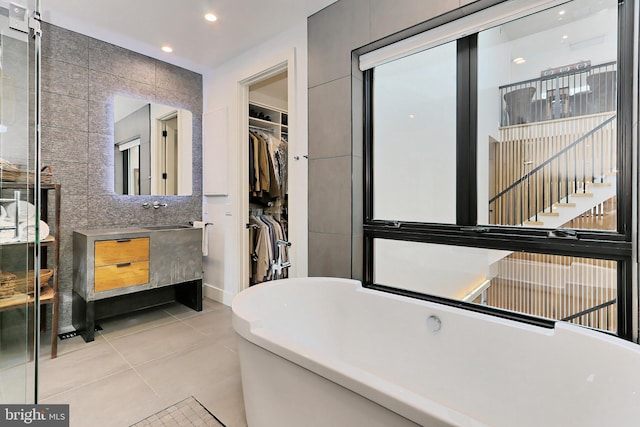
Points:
(242, 217)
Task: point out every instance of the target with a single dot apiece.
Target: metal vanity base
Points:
(85, 313)
(120, 270)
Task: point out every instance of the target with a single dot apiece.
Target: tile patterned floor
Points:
(187, 413)
(141, 363)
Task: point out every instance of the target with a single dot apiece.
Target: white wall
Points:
(272, 92)
(224, 159)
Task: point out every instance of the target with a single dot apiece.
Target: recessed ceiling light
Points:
(562, 12)
(167, 49)
(565, 37)
(519, 60)
(210, 17)
(412, 116)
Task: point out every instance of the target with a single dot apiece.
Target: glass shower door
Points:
(19, 298)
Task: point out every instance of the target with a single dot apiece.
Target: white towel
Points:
(205, 236)
(7, 236)
(27, 210)
(27, 231)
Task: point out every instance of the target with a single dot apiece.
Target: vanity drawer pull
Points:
(123, 240)
(123, 264)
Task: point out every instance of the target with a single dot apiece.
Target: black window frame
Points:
(616, 246)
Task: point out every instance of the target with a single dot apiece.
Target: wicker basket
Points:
(8, 171)
(7, 285)
(24, 281)
(13, 173)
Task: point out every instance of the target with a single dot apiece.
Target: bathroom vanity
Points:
(120, 270)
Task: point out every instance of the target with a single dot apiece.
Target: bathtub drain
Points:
(434, 324)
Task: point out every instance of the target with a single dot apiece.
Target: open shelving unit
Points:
(49, 292)
(268, 118)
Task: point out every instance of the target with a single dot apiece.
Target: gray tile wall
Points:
(80, 76)
(335, 122)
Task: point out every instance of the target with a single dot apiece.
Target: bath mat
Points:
(188, 412)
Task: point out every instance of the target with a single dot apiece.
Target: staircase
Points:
(577, 204)
(554, 181)
(559, 182)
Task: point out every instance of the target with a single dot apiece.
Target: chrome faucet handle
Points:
(146, 205)
(158, 205)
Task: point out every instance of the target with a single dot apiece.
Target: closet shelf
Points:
(253, 120)
(278, 118)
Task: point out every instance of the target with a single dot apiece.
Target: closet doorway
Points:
(279, 92)
(266, 240)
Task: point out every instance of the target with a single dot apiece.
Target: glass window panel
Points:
(579, 290)
(414, 148)
(547, 119)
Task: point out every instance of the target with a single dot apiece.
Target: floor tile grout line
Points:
(87, 383)
(193, 327)
(196, 313)
(164, 310)
(119, 353)
(187, 348)
(168, 355)
(146, 361)
(230, 349)
(171, 314)
(62, 352)
(144, 380)
(180, 351)
(135, 370)
(104, 334)
(96, 379)
(109, 340)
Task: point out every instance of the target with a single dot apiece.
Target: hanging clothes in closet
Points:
(263, 239)
(267, 194)
(267, 168)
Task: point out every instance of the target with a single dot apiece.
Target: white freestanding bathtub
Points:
(328, 352)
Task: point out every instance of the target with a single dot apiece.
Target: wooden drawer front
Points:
(121, 275)
(109, 252)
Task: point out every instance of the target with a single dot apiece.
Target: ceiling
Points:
(198, 45)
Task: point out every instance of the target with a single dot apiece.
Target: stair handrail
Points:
(589, 310)
(550, 159)
(560, 74)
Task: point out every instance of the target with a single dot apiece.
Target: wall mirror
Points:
(152, 148)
